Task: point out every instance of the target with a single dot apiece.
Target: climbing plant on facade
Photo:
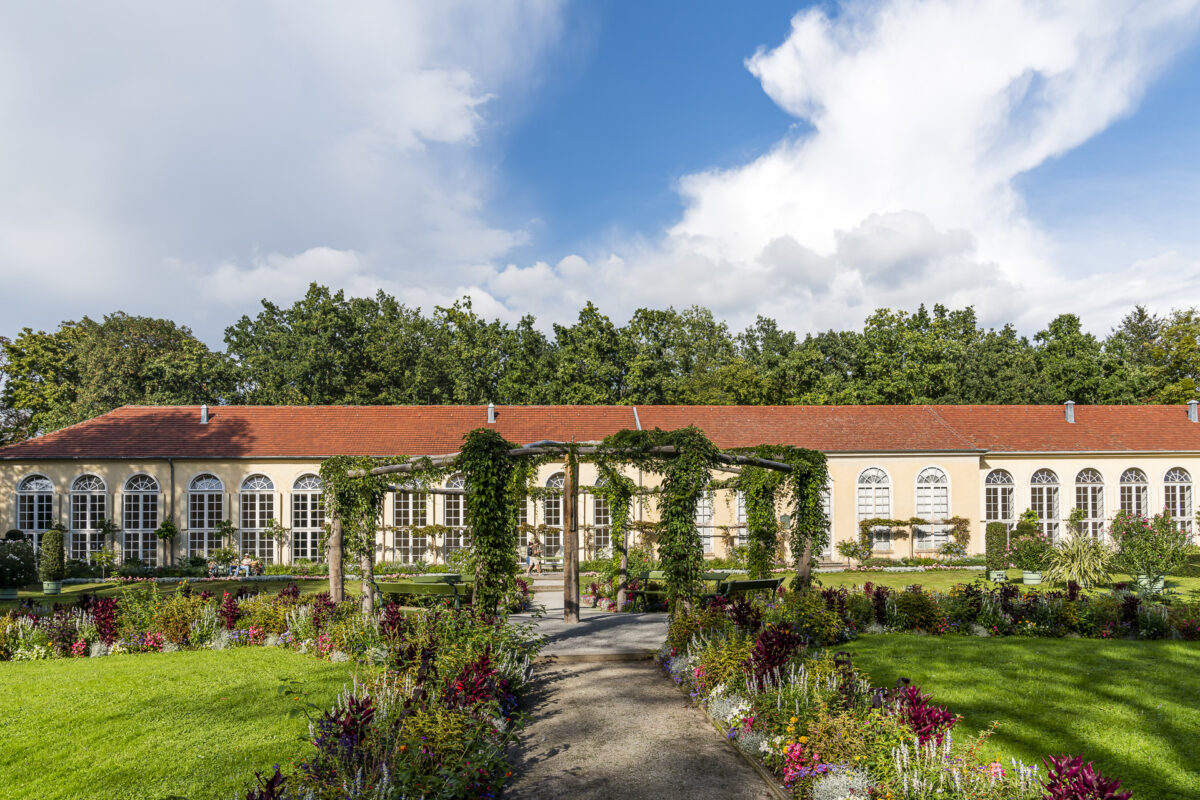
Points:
(758, 486)
(491, 513)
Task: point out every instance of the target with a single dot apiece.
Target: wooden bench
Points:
(459, 592)
(742, 586)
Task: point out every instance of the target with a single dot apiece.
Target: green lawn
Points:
(71, 591)
(1132, 707)
(194, 724)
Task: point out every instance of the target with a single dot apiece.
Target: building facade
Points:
(255, 468)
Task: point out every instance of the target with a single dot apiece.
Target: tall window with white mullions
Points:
(704, 520)
(89, 508)
(258, 509)
(933, 504)
(411, 514)
(1089, 498)
(875, 502)
(601, 525)
(1135, 492)
(998, 498)
(1177, 497)
(206, 510)
(1043, 500)
(139, 518)
(35, 507)
(552, 509)
(308, 517)
(457, 537)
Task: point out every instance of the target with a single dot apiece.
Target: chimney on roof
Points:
(1192, 416)
(491, 413)
(204, 414)
(1069, 408)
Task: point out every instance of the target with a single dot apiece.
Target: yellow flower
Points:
(803, 740)
(793, 720)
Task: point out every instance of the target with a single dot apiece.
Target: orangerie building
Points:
(257, 464)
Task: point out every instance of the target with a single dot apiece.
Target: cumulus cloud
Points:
(152, 149)
(897, 188)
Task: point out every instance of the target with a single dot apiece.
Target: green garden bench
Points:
(460, 592)
(645, 593)
(741, 587)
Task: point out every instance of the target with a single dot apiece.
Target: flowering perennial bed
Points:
(763, 672)
(432, 723)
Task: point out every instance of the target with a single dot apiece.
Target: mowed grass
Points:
(1133, 707)
(192, 724)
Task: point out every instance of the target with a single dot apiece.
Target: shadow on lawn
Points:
(1132, 707)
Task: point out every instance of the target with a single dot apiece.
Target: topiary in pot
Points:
(995, 539)
(51, 566)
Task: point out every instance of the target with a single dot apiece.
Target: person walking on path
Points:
(535, 558)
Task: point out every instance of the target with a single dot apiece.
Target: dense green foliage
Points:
(17, 565)
(51, 563)
(491, 514)
(995, 542)
(330, 349)
(191, 724)
(758, 486)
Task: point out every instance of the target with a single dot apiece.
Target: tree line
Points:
(328, 348)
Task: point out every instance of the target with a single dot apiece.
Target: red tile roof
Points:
(318, 431)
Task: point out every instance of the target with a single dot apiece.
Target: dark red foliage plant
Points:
(229, 611)
(879, 601)
(1068, 778)
(772, 649)
(393, 622)
(927, 721)
(104, 613)
(745, 614)
(476, 684)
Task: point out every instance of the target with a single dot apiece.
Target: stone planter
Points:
(1031, 578)
(998, 575)
(7, 593)
(1150, 584)
(51, 587)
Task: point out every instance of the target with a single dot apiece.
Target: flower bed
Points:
(433, 723)
(822, 727)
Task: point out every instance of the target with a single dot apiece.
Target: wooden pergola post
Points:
(570, 541)
(337, 581)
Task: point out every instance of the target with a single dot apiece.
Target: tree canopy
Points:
(327, 348)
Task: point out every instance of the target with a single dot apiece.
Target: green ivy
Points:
(491, 513)
(618, 491)
(758, 486)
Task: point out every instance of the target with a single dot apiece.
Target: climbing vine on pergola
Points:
(498, 473)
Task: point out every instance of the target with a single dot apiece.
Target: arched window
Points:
(743, 527)
(998, 491)
(139, 518)
(1135, 492)
(1089, 497)
(257, 501)
(458, 535)
(411, 511)
(933, 504)
(553, 512)
(206, 510)
(35, 506)
(1043, 499)
(827, 507)
(704, 520)
(1177, 496)
(89, 508)
(601, 525)
(875, 502)
(308, 517)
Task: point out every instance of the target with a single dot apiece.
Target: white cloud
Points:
(340, 139)
(899, 187)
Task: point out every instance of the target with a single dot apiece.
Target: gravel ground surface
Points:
(622, 730)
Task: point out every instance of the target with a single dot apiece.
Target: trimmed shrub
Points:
(51, 566)
(996, 545)
(16, 565)
(14, 535)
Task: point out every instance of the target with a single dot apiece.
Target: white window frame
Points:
(1134, 497)
(1089, 496)
(601, 525)
(88, 509)
(458, 537)
(35, 506)
(1045, 499)
(931, 495)
(206, 509)
(1178, 498)
(999, 498)
(139, 519)
(256, 509)
(410, 511)
(881, 537)
(308, 517)
(552, 512)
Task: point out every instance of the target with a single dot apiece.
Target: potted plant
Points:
(995, 551)
(854, 549)
(1148, 548)
(166, 532)
(51, 566)
(17, 567)
(1028, 551)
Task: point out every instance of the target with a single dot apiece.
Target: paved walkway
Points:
(622, 730)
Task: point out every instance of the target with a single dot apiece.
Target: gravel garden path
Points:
(606, 722)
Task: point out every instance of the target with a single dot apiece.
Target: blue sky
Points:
(807, 162)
